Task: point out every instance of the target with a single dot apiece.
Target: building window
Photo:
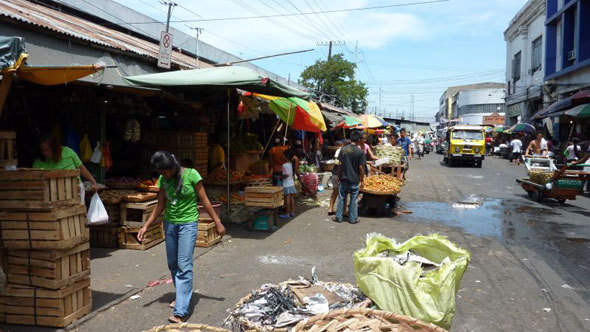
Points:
(537, 49)
(516, 67)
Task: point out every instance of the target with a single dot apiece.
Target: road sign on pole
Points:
(165, 55)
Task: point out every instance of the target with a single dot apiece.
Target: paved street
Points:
(528, 270)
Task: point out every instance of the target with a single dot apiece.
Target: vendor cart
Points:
(565, 184)
(377, 202)
(396, 170)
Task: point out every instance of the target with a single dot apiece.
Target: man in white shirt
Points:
(516, 145)
(420, 143)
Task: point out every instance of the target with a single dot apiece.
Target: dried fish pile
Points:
(280, 307)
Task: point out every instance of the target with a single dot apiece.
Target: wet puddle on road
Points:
(484, 217)
(482, 220)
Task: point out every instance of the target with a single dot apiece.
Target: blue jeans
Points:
(180, 246)
(345, 188)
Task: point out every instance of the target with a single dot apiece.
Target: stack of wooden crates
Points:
(207, 235)
(268, 199)
(47, 262)
(184, 145)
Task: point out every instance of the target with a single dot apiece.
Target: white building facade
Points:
(525, 57)
(471, 107)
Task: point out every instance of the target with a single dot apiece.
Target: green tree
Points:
(335, 77)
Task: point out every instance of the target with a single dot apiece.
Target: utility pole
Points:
(198, 31)
(170, 4)
(380, 100)
(356, 50)
(330, 44)
(412, 106)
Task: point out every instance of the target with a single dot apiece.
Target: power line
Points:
(188, 10)
(407, 4)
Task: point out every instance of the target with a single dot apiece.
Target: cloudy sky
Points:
(404, 52)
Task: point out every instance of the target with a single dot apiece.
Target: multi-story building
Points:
(470, 103)
(567, 61)
(524, 62)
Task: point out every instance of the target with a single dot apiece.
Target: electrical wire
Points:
(344, 10)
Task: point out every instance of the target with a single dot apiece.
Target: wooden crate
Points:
(52, 269)
(207, 235)
(104, 236)
(8, 149)
(25, 305)
(58, 229)
(34, 189)
(128, 237)
(137, 213)
(264, 197)
(114, 211)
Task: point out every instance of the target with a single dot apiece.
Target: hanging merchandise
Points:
(85, 149)
(97, 154)
(132, 131)
(107, 160)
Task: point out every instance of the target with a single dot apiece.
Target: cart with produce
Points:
(379, 194)
(560, 184)
(392, 160)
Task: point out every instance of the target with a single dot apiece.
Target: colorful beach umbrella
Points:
(499, 129)
(348, 122)
(522, 128)
(372, 121)
(297, 113)
(580, 111)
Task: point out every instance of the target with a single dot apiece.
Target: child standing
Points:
(288, 186)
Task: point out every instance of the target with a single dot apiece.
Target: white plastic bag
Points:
(97, 154)
(82, 193)
(97, 214)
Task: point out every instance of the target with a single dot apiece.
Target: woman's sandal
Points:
(172, 304)
(175, 319)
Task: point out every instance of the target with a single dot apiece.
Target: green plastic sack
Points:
(401, 288)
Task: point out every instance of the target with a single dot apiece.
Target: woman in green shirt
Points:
(179, 189)
(57, 157)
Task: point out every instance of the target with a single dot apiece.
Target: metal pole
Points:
(170, 4)
(228, 157)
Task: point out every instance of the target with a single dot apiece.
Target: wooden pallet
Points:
(51, 269)
(104, 236)
(128, 237)
(8, 149)
(207, 235)
(58, 229)
(264, 197)
(25, 305)
(34, 189)
(137, 213)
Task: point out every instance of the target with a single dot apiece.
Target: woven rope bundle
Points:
(350, 320)
(186, 327)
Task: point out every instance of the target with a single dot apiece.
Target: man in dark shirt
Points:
(351, 174)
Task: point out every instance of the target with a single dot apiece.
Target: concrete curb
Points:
(127, 295)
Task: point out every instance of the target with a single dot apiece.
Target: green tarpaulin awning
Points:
(218, 77)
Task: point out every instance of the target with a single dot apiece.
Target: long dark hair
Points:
(166, 160)
(53, 144)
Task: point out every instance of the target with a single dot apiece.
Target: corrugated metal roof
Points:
(79, 28)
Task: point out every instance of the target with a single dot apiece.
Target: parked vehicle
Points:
(465, 143)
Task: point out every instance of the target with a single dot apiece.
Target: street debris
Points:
(547, 309)
(566, 286)
(286, 304)
(468, 202)
(134, 297)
